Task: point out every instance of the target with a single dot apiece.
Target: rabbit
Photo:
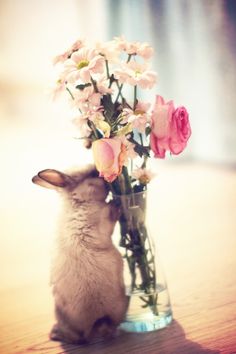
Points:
(87, 269)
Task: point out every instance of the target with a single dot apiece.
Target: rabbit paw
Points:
(55, 333)
(69, 337)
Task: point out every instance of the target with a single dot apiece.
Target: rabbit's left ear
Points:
(52, 179)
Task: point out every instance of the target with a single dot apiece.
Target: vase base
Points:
(147, 323)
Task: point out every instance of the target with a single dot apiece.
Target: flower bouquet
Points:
(104, 82)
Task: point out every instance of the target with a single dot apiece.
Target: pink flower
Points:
(135, 48)
(64, 56)
(130, 152)
(86, 99)
(82, 64)
(145, 51)
(138, 117)
(109, 156)
(103, 86)
(77, 45)
(57, 89)
(81, 122)
(134, 73)
(109, 50)
(180, 130)
(94, 116)
(170, 128)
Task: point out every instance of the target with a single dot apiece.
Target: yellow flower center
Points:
(139, 111)
(137, 73)
(82, 64)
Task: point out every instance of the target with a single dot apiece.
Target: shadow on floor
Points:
(171, 340)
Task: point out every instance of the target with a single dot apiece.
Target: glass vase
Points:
(149, 304)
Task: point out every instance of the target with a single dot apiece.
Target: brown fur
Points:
(87, 270)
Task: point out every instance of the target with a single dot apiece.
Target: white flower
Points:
(64, 56)
(82, 65)
(139, 118)
(57, 89)
(109, 50)
(143, 175)
(103, 86)
(86, 99)
(134, 48)
(97, 118)
(134, 73)
(130, 153)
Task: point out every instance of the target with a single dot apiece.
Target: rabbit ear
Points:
(37, 180)
(52, 179)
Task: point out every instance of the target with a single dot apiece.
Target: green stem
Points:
(115, 187)
(71, 95)
(144, 162)
(107, 69)
(141, 138)
(94, 129)
(122, 184)
(128, 186)
(94, 84)
(119, 91)
(112, 188)
(121, 86)
(136, 240)
(131, 166)
(129, 57)
(138, 249)
(135, 97)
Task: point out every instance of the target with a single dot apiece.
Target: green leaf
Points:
(108, 106)
(124, 130)
(97, 132)
(148, 131)
(125, 103)
(82, 86)
(112, 79)
(142, 150)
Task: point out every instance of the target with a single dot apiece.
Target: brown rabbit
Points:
(87, 270)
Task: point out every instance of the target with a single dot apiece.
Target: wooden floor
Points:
(193, 218)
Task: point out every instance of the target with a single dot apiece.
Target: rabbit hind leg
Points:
(64, 330)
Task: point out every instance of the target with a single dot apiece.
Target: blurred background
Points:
(195, 51)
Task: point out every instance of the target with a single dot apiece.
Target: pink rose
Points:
(109, 156)
(180, 130)
(170, 128)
